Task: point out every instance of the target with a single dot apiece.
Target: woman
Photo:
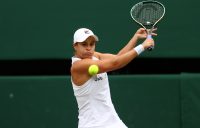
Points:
(92, 93)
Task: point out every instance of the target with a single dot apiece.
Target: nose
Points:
(88, 47)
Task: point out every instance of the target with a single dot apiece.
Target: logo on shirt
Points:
(98, 78)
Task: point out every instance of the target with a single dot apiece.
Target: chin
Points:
(88, 56)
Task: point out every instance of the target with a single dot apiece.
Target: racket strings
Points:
(148, 13)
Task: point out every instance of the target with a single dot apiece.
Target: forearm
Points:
(130, 45)
(122, 60)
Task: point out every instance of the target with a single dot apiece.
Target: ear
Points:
(74, 46)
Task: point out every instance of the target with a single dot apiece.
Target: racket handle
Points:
(149, 36)
(152, 47)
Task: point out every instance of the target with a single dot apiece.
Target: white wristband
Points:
(139, 49)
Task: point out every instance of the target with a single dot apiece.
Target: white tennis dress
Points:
(96, 109)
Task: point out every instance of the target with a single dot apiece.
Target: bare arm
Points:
(106, 63)
(109, 62)
(130, 45)
(140, 34)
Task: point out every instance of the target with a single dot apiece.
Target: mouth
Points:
(88, 54)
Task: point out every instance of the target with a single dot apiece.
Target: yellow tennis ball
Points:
(93, 69)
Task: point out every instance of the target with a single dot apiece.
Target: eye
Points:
(84, 44)
(92, 44)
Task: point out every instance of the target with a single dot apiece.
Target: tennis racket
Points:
(148, 14)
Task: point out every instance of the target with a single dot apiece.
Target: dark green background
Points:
(44, 28)
(142, 101)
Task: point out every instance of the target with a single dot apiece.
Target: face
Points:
(85, 49)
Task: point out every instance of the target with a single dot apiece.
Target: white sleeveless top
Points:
(94, 102)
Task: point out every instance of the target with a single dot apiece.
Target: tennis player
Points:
(92, 93)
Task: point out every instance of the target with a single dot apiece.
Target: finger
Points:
(143, 29)
(154, 29)
(154, 34)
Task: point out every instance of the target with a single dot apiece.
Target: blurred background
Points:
(159, 89)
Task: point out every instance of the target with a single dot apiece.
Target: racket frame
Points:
(149, 31)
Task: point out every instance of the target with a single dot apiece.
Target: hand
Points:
(148, 43)
(141, 33)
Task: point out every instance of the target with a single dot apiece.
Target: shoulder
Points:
(79, 71)
(81, 65)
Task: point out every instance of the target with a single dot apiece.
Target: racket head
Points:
(147, 13)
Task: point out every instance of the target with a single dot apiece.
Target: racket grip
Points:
(149, 36)
(152, 47)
